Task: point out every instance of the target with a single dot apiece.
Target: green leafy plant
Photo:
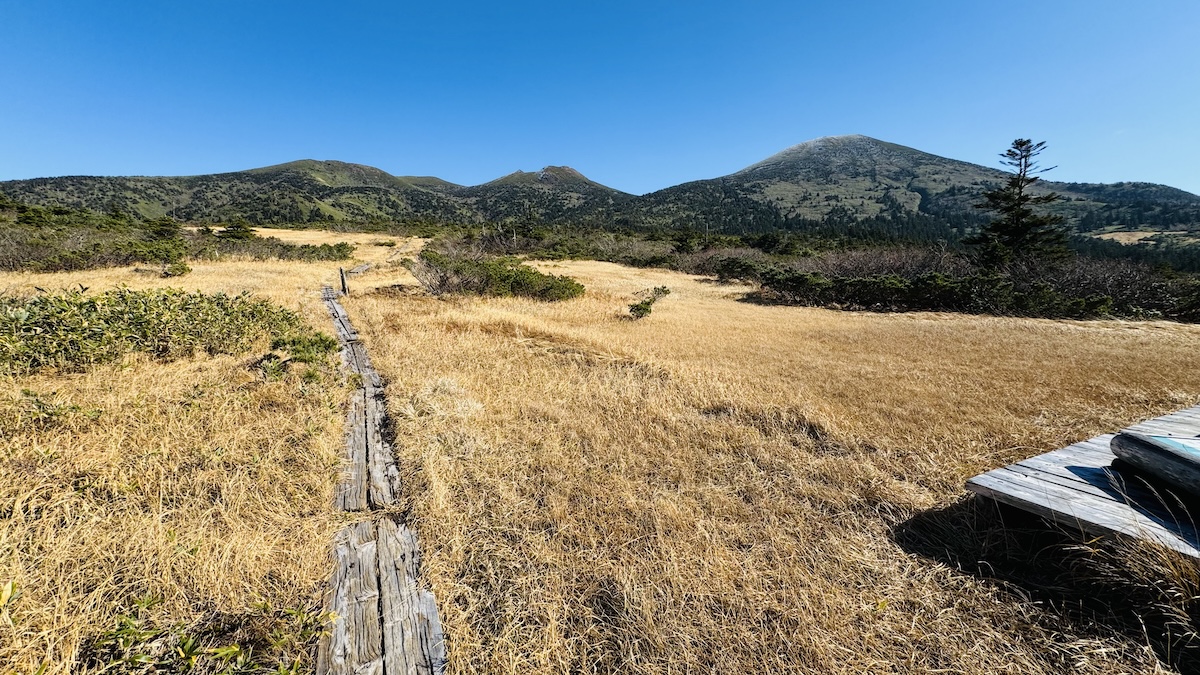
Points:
(259, 640)
(307, 347)
(71, 331)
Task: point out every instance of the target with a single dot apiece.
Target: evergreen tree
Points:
(163, 228)
(1018, 231)
(237, 229)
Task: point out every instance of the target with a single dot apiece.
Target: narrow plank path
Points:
(1078, 486)
(386, 623)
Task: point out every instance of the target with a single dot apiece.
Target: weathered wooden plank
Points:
(1074, 509)
(354, 644)
(412, 631)
(1121, 496)
(1107, 485)
(1164, 429)
(1187, 414)
(1181, 423)
(371, 376)
(352, 491)
(992, 485)
(360, 269)
(379, 454)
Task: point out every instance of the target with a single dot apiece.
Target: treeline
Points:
(47, 239)
(869, 272)
(924, 280)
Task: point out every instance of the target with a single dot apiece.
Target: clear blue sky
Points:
(636, 95)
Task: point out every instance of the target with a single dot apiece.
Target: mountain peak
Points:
(827, 149)
(547, 177)
(332, 173)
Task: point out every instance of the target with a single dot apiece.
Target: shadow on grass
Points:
(1089, 587)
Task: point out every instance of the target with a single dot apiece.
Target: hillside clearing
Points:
(720, 487)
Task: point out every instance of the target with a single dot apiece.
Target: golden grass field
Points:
(713, 489)
(716, 488)
(196, 482)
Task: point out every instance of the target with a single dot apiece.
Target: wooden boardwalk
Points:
(386, 623)
(1078, 487)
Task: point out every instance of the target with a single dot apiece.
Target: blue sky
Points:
(636, 95)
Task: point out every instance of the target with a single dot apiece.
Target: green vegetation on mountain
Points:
(44, 239)
(826, 184)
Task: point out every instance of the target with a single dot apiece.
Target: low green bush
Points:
(306, 347)
(493, 276)
(71, 331)
(214, 247)
(642, 308)
(177, 269)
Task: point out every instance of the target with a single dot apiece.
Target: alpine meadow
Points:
(916, 395)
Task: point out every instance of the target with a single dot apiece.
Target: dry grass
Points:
(371, 248)
(200, 482)
(719, 487)
(1184, 238)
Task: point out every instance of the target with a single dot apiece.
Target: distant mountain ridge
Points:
(836, 181)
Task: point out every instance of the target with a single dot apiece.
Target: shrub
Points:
(72, 331)
(440, 273)
(937, 280)
(306, 348)
(642, 308)
(266, 248)
(736, 268)
(176, 269)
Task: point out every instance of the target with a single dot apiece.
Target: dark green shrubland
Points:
(478, 274)
(51, 239)
(1079, 288)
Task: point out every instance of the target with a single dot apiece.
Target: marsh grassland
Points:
(718, 487)
(728, 487)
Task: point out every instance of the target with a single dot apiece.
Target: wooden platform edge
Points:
(1044, 485)
(385, 623)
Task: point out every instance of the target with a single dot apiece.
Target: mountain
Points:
(851, 179)
(554, 194)
(303, 191)
(832, 182)
(321, 191)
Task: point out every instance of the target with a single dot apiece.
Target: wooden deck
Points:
(1078, 487)
(386, 622)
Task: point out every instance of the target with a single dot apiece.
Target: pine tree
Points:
(237, 229)
(1018, 232)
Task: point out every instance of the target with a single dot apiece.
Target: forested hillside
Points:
(844, 184)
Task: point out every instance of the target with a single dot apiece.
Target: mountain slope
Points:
(832, 182)
(847, 179)
(554, 194)
(319, 191)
